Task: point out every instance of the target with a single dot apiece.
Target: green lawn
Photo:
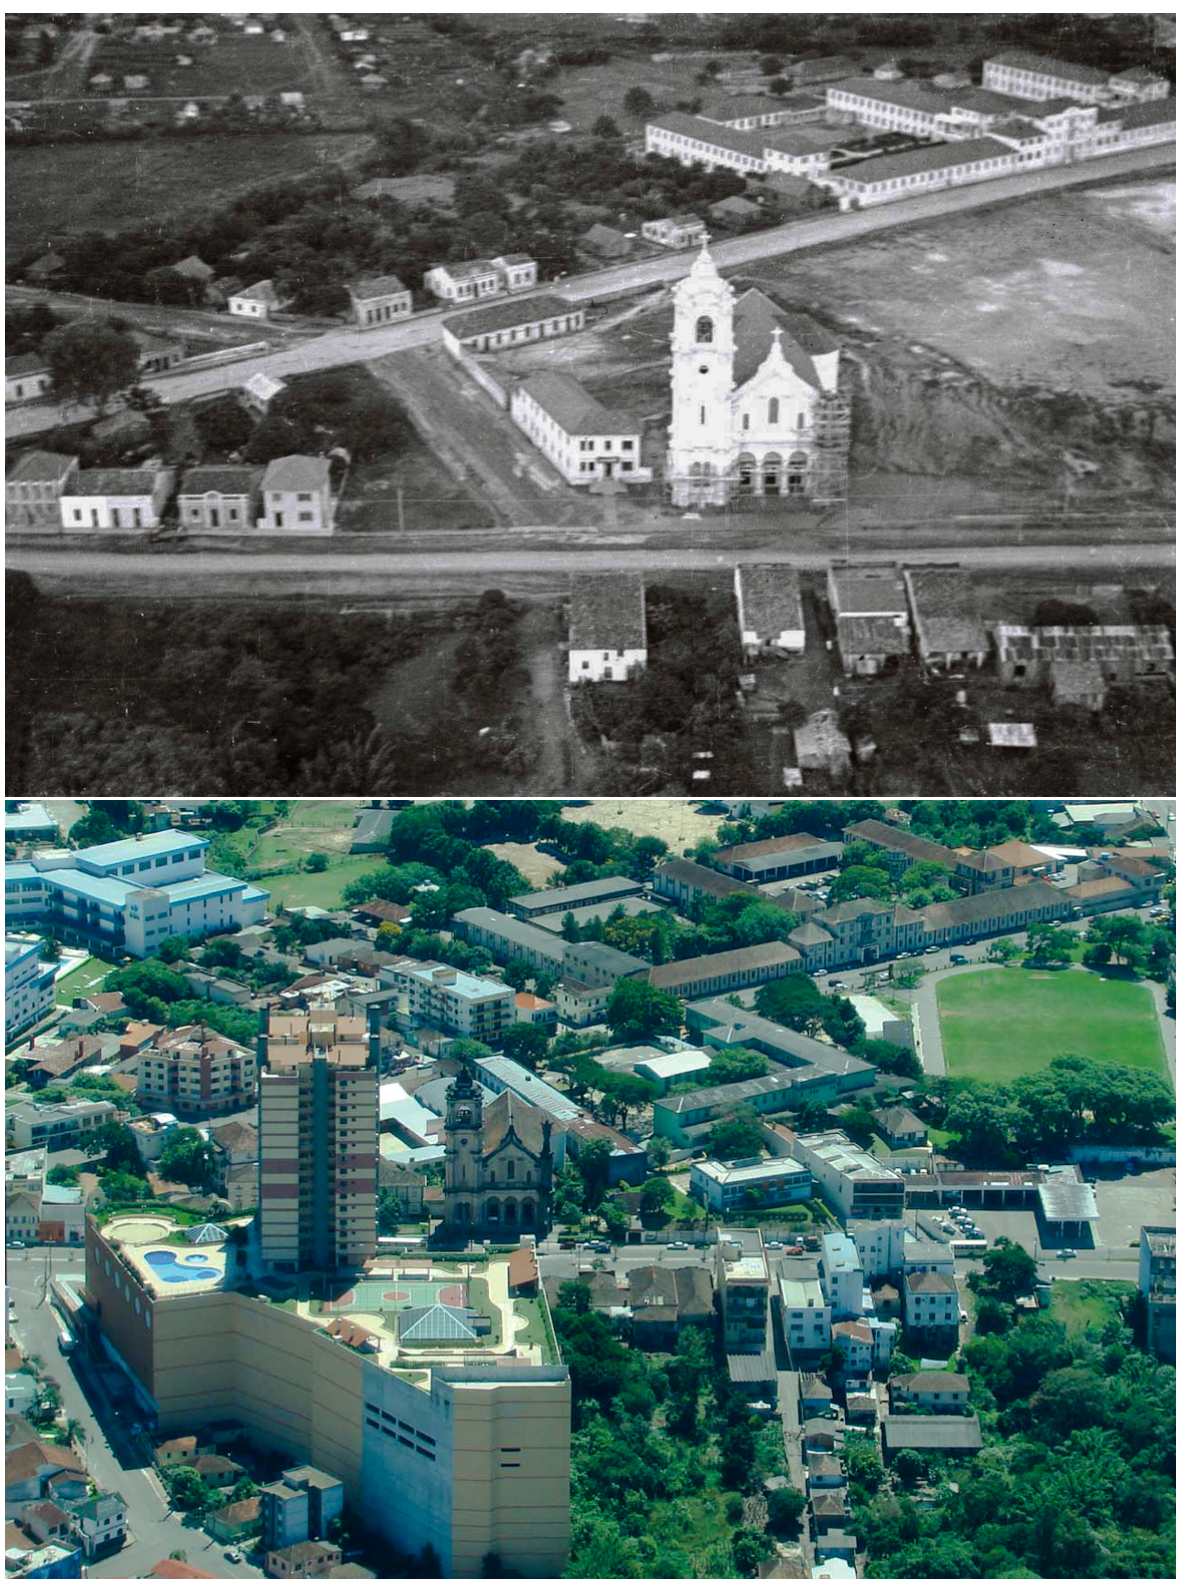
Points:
(1088, 1303)
(1001, 1023)
(295, 888)
(87, 976)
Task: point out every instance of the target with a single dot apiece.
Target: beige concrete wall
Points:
(521, 1511)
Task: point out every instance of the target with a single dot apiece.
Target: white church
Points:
(755, 406)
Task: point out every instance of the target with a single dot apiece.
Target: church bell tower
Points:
(699, 441)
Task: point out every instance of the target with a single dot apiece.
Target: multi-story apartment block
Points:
(469, 1005)
(28, 984)
(34, 486)
(1158, 1285)
(841, 1276)
(128, 896)
(853, 1182)
(1028, 76)
(931, 1304)
(196, 1073)
(582, 438)
(805, 1315)
(317, 1132)
(743, 1283)
(55, 1127)
(301, 1505)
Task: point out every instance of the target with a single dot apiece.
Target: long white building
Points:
(128, 896)
(581, 437)
(28, 984)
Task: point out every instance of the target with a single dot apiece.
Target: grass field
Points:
(311, 826)
(296, 889)
(56, 188)
(1001, 1023)
(1082, 1304)
(82, 979)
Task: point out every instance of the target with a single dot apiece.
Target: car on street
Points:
(774, 1245)
(234, 1555)
(1066, 1254)
(820, 973)
(678, 1245)
(932, 951)
(16, 1245)
(600, 1246)
(957, 957)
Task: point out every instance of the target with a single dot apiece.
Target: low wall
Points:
(1150, 1156)
(477, 372)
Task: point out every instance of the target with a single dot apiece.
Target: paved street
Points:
(113, 1455)
(348, 346)
(145, 575)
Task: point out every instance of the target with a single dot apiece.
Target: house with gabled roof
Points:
(379, 300)
(583, 438)
(608, 627)
(297, 496)
(117, 500)
(258, 302)
(464, 282)
(34, 486)
(26, 377)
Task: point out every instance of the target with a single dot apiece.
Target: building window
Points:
(704, 330)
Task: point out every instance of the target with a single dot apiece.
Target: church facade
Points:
(499, 1165)
(756, 406)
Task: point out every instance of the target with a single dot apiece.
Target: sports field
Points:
(997, 1024)
(393, 1295)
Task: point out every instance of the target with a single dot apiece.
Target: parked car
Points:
(1066, 1254)
(774, 1245)
(932, 951)
(795, 1250)
(820, 973)
(233, 1554)
(678, 1245)
(957, 957)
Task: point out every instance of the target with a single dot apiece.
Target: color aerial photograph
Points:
(620, 1189)
(585, 403)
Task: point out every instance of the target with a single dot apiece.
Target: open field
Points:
(535, 865)
(298, 889)
(55, 188)
(1074, 292)
(1083, 1304)
(676, 822)
(1001, 1023)
(236, 64)
(311, 826)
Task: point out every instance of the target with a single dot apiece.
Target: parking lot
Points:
(1129, 1200)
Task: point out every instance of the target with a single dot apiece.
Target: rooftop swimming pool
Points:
(171, 1269)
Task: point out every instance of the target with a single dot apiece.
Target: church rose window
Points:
(705, 329)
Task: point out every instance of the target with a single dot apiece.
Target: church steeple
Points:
(702, 378)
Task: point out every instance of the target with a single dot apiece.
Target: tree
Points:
(51, 949)
(637, 102)
(244, 1489)
(114, 1145)
(467, 1051)
(124, 1189)
(1003, 951)
(517, 973)
(605, 128)
(1009, 1271)
(1049, 943)
(316, 862)
(224, 426)
(738, 1135)
(658, 1150)
(657, 1196)
(748, 1547)
(639, 1012)
(784, 1509)
(908, 1464)
(859, 881)
(187, 1489)
(623, 1092)
(389, 1211)
(795, 1002)
(863, 1464)
(90, 363)
(525, 1043)
(188, 1159)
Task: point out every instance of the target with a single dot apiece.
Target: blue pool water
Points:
(165, 1266)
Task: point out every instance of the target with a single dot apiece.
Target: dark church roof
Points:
(755, 318)
(510, 1114)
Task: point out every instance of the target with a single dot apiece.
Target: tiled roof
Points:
(710, 133)
(24, 364)
(507, 314)
(376, 287)
(771, 600)
(607, 613)
(304, 473)
(232, 480)
(756, 317)
(909, 95)
(574, 410)
(740, 960)
(927, 158)
(1048, 65)
(114, 483)
(39, 465)
(263, 291)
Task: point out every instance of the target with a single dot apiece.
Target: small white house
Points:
(770, 609)
(463, 283)
(261, 391)
(378, 300)
(256, 302)
(296, 495)
(26, 377)
(116, 500)
(608, 628)
(515, 273)
(675, 232)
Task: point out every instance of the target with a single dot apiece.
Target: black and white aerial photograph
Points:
(590, 403)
